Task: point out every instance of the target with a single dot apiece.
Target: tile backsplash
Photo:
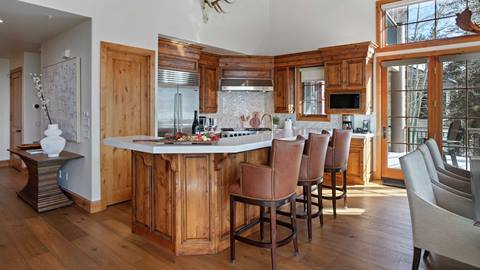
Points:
(231, 105)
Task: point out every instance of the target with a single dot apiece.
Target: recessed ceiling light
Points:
(1, 21)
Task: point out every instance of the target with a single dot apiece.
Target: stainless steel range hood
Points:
(254, 85)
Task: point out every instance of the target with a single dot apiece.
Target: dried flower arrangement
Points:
(37, 83)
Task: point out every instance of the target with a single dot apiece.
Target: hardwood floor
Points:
(374, 233)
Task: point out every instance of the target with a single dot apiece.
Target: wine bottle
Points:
(195, 123)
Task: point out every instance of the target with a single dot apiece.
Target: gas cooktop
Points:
(237, 132)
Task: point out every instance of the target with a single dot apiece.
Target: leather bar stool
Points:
(311, 174)
(336, 162)
(268, 187)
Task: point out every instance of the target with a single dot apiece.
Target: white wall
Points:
(78, 40)
(31, 116)
(303, 25)
(4, 108)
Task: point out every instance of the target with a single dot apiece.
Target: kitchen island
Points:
(181, 192)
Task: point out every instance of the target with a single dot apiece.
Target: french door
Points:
(436, 97)
(405, 111)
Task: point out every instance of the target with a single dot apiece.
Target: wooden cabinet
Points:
(208, 89)
(334, 74)
(252, 67)
(346, 74)
(360, 161)
(178, 55)
(181, 201)
(284, 88)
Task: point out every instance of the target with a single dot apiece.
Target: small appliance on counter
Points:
(347, 121)
(288, 123)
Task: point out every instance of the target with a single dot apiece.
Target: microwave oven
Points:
(349, 101)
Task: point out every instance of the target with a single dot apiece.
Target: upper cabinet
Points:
(209, 82)
(346, 74)
(246, 67)
(178, 55)
(283, 90)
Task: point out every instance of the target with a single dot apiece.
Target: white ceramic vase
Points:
(53, 144)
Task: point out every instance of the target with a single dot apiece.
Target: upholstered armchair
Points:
(451, 176)
(442, 220)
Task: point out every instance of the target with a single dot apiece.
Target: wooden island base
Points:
(181, 201)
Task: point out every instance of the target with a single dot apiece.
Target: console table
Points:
(42, 191)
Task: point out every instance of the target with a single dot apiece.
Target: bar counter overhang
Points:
(181, 192)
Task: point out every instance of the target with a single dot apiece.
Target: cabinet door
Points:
(333, 74)
(355, 73)
(283, 89)
(208, 89)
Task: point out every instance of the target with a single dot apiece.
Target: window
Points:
(422, 20)
(311, 94)
(461, 110)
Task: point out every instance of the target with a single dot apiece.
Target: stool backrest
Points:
(286, 157)
(338, 152)
(316, 151)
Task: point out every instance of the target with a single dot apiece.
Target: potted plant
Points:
(276, 122)
(53, 144)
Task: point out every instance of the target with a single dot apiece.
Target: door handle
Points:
(384, 133)
(18, 130)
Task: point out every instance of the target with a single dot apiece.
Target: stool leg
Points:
(320, 203)
(262, 215)
(334, 194)
(232, 229)
(273, 233)
(344, 187)
(309, 211)
(304, 199)
(293, 218)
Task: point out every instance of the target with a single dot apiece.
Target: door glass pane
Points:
(407, 113)
(461, 111)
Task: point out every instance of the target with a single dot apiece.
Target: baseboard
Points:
(85, 204)
(4, 163)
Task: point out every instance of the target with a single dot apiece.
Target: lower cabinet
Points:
(182, 201)
(359, 171)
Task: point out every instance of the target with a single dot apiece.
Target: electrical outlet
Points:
(60, 174)
(66, 176)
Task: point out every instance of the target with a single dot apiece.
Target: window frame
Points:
(299, 99)
(381, 34)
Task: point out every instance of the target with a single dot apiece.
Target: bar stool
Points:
(268, 187)
(336, 162)
(311, 174)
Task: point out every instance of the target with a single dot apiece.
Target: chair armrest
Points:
(453, 175)
(455, 203)
(446, 233)
(454, 182)
(461, 172)
(256, 181)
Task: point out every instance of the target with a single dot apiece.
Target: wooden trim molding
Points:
(87, 205)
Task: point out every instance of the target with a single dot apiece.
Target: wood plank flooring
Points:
(373, 233)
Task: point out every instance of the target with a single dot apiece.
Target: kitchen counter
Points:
(180, 193)
(225, 145)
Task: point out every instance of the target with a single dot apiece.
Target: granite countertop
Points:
(225, 145)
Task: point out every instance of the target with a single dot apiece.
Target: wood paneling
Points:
(259, 67)
(182, 201)
(16, 114)
(178, 55)
(126, 109)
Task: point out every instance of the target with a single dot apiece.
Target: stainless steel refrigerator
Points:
(177, 100)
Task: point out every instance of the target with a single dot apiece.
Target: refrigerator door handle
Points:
(180, 111)
(175, 110)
